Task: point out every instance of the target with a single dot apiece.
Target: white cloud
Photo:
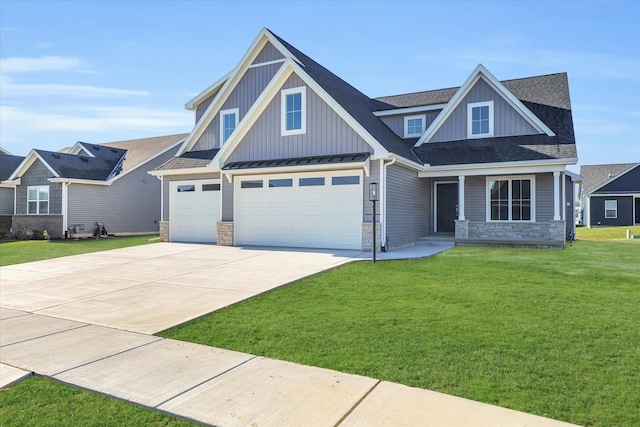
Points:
(9, 89)
(42, 64)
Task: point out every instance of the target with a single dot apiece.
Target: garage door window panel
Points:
(311, 182)
(186, 188)
(257, 183)
(210, 187)
(345, 180)
(276, 183)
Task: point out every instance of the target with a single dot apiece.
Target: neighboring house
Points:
(68, 193)
(611, 194)
(283, 153)
(8, 163)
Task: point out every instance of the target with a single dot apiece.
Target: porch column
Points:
(461, 197)
(556, 196)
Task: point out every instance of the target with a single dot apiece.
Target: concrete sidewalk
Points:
(91, 329)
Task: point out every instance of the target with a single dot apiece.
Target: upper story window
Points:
(414, 126)
(294, 115)
(38, 200)
(228, 122)
(611, 209)
(480, 119)
(510, 198)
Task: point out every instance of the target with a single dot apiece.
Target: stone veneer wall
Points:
(552, 230)
(164, 231)
(51, 223)
(367, 236)
(225, 233)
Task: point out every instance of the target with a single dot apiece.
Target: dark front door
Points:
(637, 202)
(446, 207)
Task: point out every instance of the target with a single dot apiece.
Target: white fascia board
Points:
(191, 171)
(630, 194)
(78, 147)
(297, 169)
(526, 167)
(481, 72)
(409, 110)
(192, 105)
(26, 164)
(614, 178)
(145, 161)
(10, 184)
(79, 181)
(574, 176)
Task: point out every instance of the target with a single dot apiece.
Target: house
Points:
(68, 193)
(611, 194)
(283, 153)
(8, 163)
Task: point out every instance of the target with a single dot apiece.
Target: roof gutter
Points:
(187, 171)
(506, 167)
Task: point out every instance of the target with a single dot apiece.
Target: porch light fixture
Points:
(374, 196)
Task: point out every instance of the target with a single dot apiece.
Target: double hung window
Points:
(294, 116)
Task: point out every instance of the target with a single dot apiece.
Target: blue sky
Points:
(107, 71)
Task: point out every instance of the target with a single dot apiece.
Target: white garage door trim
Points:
(193, 214)
(291, 214)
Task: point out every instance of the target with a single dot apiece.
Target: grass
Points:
(40, 402)
(605, 233)
(16, 252)
(553, 333)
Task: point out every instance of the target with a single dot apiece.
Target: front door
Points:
(446, 207)
(637, 210)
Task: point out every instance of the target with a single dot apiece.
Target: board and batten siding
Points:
(408, 206)
(166, 188)
(326, 132)
(202, 107)
(507, 121)
(131, 204)
(268, 53)
(38, 174)
(396, 123)
(6, 201)
(250, 86)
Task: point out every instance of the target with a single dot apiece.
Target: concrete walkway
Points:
(86, 320)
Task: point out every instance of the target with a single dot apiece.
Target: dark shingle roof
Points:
(595, 175)
(140, 150)
(190, 159)
(73, 166)
(299, 161)
(8, 164)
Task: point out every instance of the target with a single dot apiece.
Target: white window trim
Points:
(38, 187)
(532, 178)
(470, 107)
(611, 209)
(223, 113)
(406, 125)
(283, 111)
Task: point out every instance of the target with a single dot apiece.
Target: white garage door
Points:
(321, 210)
(194, 210)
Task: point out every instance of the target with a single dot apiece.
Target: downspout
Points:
(161, 178)
(65, 207)
(383, 208)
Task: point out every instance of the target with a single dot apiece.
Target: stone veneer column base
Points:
(367, 236)
(164, 231)
(225, 233)
(462, 228)
(557, 231)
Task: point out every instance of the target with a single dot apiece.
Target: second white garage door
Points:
(194, 210)
(321, 210)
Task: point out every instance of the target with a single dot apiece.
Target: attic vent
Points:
(84, 159)
(95, 147)
(113, 150)
(55, 156)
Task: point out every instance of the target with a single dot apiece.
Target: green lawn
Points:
(605, 233)
(39, 402)
(553, 333)
(19, 251)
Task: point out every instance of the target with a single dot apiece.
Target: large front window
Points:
(510, 199)
(38, 200)
(293, 111)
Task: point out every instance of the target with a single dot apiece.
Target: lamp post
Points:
(374, 196)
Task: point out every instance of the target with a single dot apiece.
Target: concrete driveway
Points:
(150, 288)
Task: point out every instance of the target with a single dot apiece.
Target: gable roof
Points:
(8, 164)
(597, 176)
(189, 160)
(97, 168)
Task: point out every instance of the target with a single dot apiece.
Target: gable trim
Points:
(613, 178)
(145, 161)
(482, 73)
(192, 104)
(408, 110)
(78, 147)
(27, 163)
(262, 64)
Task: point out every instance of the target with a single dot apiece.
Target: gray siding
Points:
(204, 105)
(165, 188)
(326, 132)
(242, 97)
(396, 123)
(268, 53)
(408, 206)
(130, 205)
(544, 197)
(507, 121)
(569, 207)
(227, 200)
(475, 198)
(374, 176)
(6, 201)
(625, 210)
(38, 174)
